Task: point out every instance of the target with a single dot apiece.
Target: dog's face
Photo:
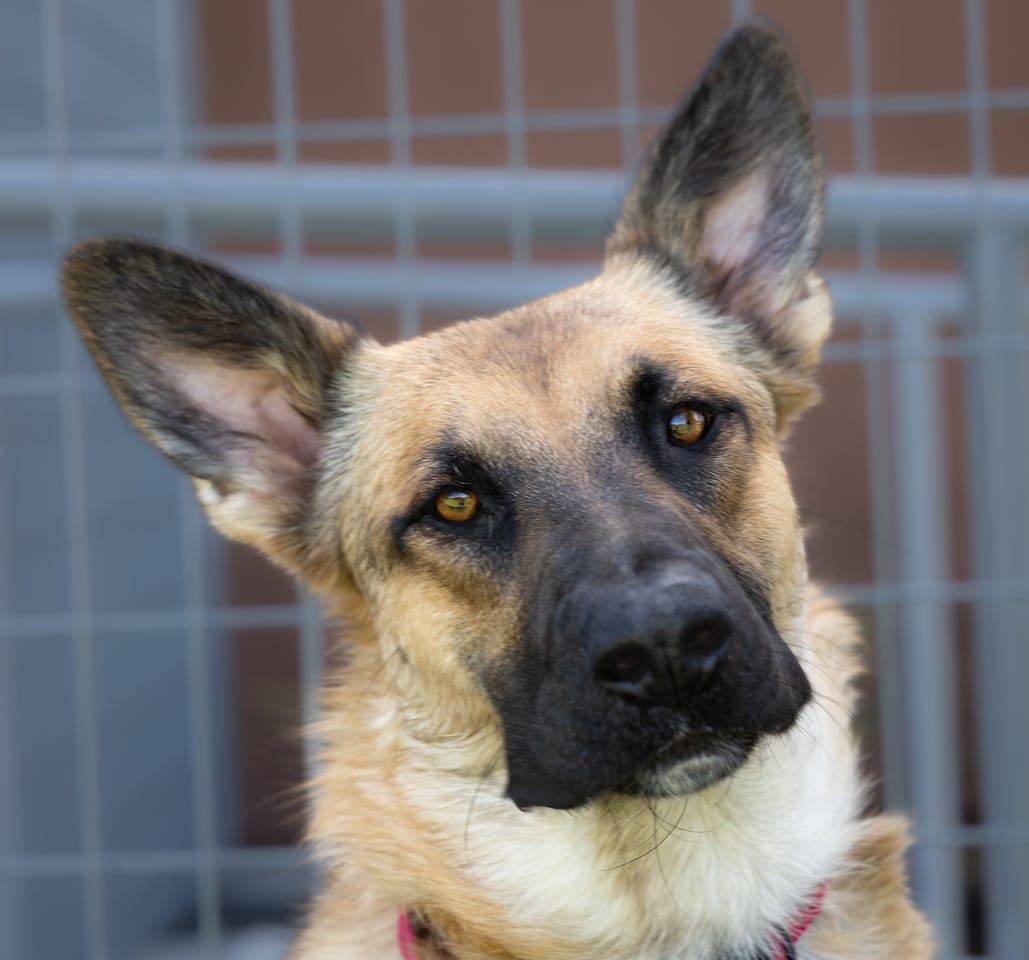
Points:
(569, 525)
(594, 530)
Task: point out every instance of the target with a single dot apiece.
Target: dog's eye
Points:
(687, 425)
(456, 505)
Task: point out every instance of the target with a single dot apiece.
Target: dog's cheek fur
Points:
(434, 659)
(767, 527)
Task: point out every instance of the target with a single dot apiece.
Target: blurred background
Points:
(415, 162)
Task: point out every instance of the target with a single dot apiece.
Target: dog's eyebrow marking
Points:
(650, 382)
(449, 463)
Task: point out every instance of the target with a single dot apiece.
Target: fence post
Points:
(998, 402)
(926, 624)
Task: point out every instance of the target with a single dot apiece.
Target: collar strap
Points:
(417, 940)
(406, 939)
(783, 949)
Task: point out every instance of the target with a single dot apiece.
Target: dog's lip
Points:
(691, 743)
(704, 757)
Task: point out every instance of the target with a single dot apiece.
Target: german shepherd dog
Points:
(593, 709)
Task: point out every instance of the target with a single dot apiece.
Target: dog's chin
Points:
(690, 763)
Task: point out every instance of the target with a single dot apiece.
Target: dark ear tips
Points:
(104, 257)
(758, 48)
(757, 40)
(115, 282)
(80, 268)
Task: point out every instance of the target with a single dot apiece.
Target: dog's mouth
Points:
(690, 762)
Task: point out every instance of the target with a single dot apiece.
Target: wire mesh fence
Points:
(413, 163)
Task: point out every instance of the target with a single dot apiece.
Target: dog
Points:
(593, 707)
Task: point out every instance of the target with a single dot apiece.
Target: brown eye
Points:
(687, 426)
(456, 505)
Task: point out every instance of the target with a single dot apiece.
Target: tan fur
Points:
(870, 904)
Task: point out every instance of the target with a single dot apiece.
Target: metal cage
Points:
(120, 804)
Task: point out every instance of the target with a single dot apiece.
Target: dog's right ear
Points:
(731, 198)
(229, 380)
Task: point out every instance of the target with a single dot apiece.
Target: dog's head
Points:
(568, 525)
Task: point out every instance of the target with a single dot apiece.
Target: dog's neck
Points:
(723, 872)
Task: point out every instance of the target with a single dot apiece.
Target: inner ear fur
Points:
(730, 199)
(231, 381)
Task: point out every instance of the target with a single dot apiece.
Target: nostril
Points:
(703, 644)
(705, 634)
(625, 668)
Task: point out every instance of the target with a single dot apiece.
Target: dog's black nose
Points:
(655, 643)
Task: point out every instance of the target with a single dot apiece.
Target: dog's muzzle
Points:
(659, 684)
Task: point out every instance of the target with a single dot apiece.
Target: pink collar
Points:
(405, 937)
(782, 950)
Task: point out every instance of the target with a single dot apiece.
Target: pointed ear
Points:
(731, 198)
(230, 381)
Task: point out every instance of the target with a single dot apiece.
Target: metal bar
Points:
(290, 224)
(1000, 520)
(271, 617)
(11, 940)
(404, 214)
(277, 858)
(150, 861)
(83, 639)
(156, 621)
(205, 136)
(291, 235)
(997, 504)
(202, 863)
(514, 112)
(926, 626)
(864, 351)
(345, 199)
(478, 285)
(880, 480)
(631, 122)
(979, 120)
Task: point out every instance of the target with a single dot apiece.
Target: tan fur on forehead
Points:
(629, 308)
(524, 372)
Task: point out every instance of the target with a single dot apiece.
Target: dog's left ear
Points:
(732, 198)
(232, 382)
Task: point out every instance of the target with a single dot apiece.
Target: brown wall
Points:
(454, 64)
